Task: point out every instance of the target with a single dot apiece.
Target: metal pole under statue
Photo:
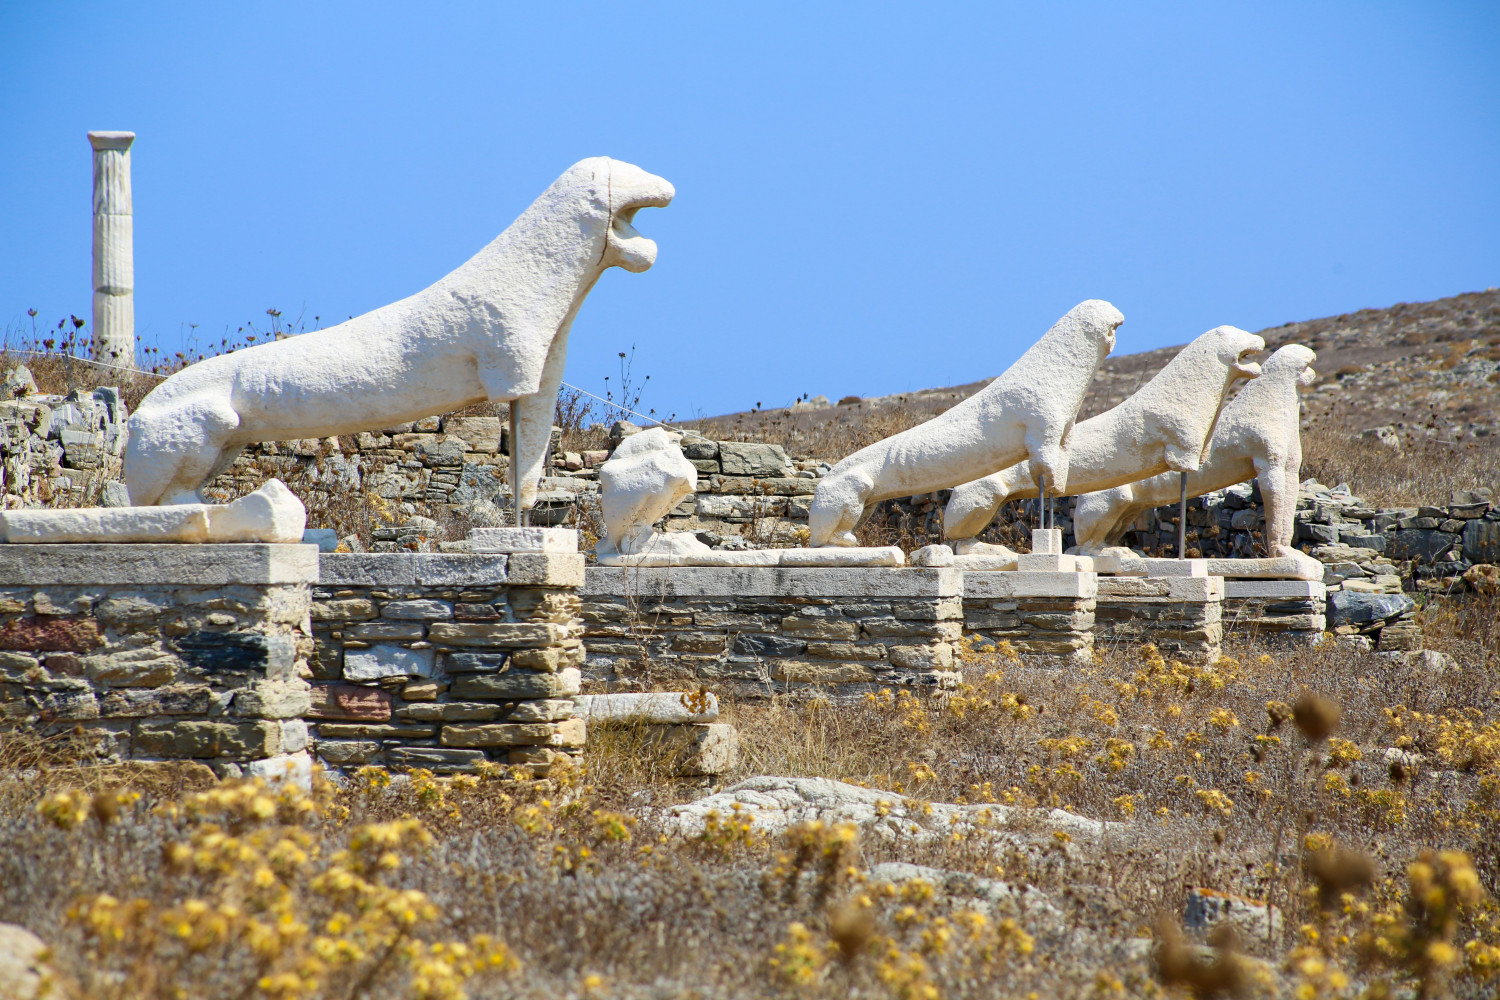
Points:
(114, 250)
(515, 467)
(1182, 518)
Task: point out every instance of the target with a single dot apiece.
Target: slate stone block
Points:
(1349, 608)
(248, 651)
(1421, 544)
(770, 645)
(1482, 542)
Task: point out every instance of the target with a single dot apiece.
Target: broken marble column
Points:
(114, 250)
(270, 514)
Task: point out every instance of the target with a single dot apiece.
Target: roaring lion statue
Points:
(495, 329)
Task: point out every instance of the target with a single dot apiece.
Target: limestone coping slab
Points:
(509, 540)
(771, 581)
(1285, 590)
(146, 565)
(660, 707)
(991, 585)
(1170, 588)
(410, 569)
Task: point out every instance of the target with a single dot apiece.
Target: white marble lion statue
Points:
(1258, 436)
(1024, 414)
(494, 329)
(1164, 425)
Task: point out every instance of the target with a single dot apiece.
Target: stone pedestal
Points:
(160, 652)
(1286, 610)
(1046, 555)
(447, 661)
(758, 631)
(1182, 615)
(1049, 615)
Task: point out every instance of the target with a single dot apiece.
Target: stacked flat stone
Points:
(1047, 616)
(678, 728)
(1292, 611)
(160, 652)
(446, 661)
(59, 447)
(758, 631)
(1181, 615)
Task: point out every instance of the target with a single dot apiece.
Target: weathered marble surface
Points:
(114, 250)
(494, 329)
(645, 478)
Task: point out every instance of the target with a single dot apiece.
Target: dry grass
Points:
(1204, 768)
(1425, 472)
(829, 440)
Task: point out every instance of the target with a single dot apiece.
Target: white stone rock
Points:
(665, 707)
(1257, 435)
(25, 970)
(1126, 562)
(772, 581)
(523, 540)
(1166, 425)
(270, 514)
(1290, 565)
(775, 803)
(932, 556)
(992, 894)
(1023, 414)
(387, 660)
(495, 329)
(970, 554)
(1046, 555)
(1281, 590)
(882, 556)
(295, 768)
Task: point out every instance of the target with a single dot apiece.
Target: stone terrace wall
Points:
(1181, 615)
(60, 450)
(459, 466)
(1048, 615)
(160, 652)
(446, 661)
(759, 631)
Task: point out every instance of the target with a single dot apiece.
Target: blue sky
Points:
(871, 197)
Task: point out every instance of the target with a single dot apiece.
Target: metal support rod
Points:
(1041, 502)
(1052, 511)
(515, 466)
(1182, 518)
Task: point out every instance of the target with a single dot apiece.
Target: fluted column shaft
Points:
(114, 249)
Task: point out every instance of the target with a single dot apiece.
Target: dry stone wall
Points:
(160, 652)
(60, 450)
(762, 631)
(447, 661)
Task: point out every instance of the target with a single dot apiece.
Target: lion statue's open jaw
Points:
(630, 191)
(1245, 366)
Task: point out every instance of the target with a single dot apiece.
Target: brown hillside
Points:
(1430, 371)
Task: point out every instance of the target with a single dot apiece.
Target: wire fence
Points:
(140, 371)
